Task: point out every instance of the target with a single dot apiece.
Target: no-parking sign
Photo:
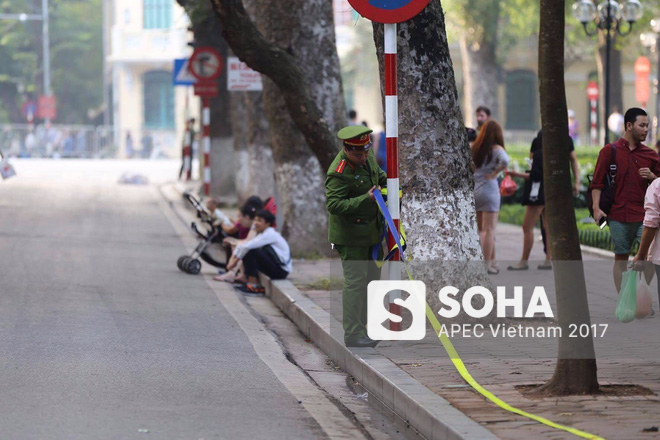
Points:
(389, 11)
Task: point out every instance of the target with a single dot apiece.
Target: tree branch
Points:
(281, 67)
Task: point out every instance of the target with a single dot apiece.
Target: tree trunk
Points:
(253, 155)
(616, 77)
(9, 102)
(575, 372)
(208, 32)
(298, 175)
(479, 57)
(282, 64)
(239, 129)
(438, 202)
(479, 77)
(260, 156)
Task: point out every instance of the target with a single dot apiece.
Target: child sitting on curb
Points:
(246, 232)
(268, 252)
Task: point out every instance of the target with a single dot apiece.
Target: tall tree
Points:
(254, 157)
(208, 32)
(575, 372)
(436, 177)
(303, 101)
(487, 30)
(285, 69)
(76, 59)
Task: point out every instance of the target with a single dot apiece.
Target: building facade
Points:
(145, 37)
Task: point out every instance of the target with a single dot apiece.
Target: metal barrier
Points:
(58, 141)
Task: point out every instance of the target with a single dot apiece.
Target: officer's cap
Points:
(356, 137)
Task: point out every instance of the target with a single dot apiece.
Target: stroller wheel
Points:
(193, 266)
(179, 262)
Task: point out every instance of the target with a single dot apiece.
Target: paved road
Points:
(101, 336)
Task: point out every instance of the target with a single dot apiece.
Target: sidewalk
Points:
(502, 365)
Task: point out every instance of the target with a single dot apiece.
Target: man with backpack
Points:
(631, 167)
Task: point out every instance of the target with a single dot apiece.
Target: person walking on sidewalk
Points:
(636, 167)
(355, 226)
(649, 247)
(534, 201)
(490, 159)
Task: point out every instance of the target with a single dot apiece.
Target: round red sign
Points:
(389, 11)
(205, 64)
(592, 90)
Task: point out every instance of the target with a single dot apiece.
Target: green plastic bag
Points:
(626, 306)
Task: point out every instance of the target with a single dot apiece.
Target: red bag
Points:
(508, 187)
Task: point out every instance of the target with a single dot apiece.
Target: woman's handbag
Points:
(508, 187)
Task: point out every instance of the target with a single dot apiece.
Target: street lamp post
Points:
(608, 17)
(45, 41)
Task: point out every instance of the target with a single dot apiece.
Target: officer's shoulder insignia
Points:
(341, 166)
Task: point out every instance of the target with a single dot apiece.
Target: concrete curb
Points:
(434, 417)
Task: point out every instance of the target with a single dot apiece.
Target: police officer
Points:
(355, 226)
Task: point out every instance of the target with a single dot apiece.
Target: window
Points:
(157, 14)
(522, 100)
(158, 100)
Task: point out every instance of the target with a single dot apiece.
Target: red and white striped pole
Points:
(392, 142)
(593, 118)
(206, 143)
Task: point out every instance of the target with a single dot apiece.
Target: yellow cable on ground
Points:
(465, 374)
(456, 359)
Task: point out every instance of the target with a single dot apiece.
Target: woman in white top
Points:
(268, 252)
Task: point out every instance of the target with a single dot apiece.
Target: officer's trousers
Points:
(359, 270)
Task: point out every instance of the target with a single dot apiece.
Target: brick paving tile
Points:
(629, 355)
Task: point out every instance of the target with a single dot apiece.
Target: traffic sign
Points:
(241, 78)
(206, 89)
(205, 64)
(592, 90)
(29, 110)
(389, 11)
(47, 107)
(181, 75)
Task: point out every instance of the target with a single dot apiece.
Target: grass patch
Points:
(329, 283)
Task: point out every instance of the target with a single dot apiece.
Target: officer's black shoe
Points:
(363, 342)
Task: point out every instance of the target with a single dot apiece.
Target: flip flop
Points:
(224, 278)
(525, 267)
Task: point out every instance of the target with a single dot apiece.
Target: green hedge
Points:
(588, 231)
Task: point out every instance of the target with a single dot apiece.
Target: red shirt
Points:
(631, 188)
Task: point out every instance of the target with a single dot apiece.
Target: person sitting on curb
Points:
(268, 253)
(246, 232)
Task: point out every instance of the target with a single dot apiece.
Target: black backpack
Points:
(607, 195)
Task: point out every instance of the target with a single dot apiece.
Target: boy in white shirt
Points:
(268, 252)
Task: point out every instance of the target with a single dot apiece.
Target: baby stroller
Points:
(190, 263)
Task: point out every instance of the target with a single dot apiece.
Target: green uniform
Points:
(355, 225)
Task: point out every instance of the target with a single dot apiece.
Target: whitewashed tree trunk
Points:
(253, 157)
(435, 174)
(260, 155)
(306, 29)
(239, 128)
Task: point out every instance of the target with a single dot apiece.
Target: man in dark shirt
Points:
(637, 166)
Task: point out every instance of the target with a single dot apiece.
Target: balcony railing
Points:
(148, 45)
